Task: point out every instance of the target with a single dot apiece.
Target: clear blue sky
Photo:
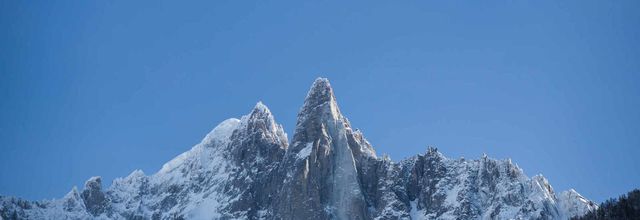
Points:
(105, 87)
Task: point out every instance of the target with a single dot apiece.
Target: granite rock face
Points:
(246, 169)
(322, 180)
(94, 198)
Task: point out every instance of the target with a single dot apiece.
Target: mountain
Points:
(625, 207)
(246, 169)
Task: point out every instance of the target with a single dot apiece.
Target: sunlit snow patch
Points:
(306, 151)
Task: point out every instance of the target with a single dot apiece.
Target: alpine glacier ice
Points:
(245, 169)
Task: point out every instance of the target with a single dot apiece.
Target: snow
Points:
(415, 213)
(452, 195)
(571, 202)
(223, 131)
(175, 162)
(218, 136)
(206, 210)
(73, 194)
(93, 179)
(261, 106)
(263, 214)
(306, 151)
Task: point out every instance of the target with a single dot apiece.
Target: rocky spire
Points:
(319, 104)
(319, 110)
(94, 199)
(324, 157)
(320, 94)
(261, 121)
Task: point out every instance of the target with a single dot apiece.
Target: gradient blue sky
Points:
(105, 87)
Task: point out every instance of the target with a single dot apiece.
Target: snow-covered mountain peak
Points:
(221, 133)
(261, 107)
(260, 114)
(214, 141)
(571, 201)
(73, 194)
(261, 121)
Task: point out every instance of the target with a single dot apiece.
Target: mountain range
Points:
(248, 168)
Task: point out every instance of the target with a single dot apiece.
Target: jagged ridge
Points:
(245, 169)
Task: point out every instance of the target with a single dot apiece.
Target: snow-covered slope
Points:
(245, 169)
